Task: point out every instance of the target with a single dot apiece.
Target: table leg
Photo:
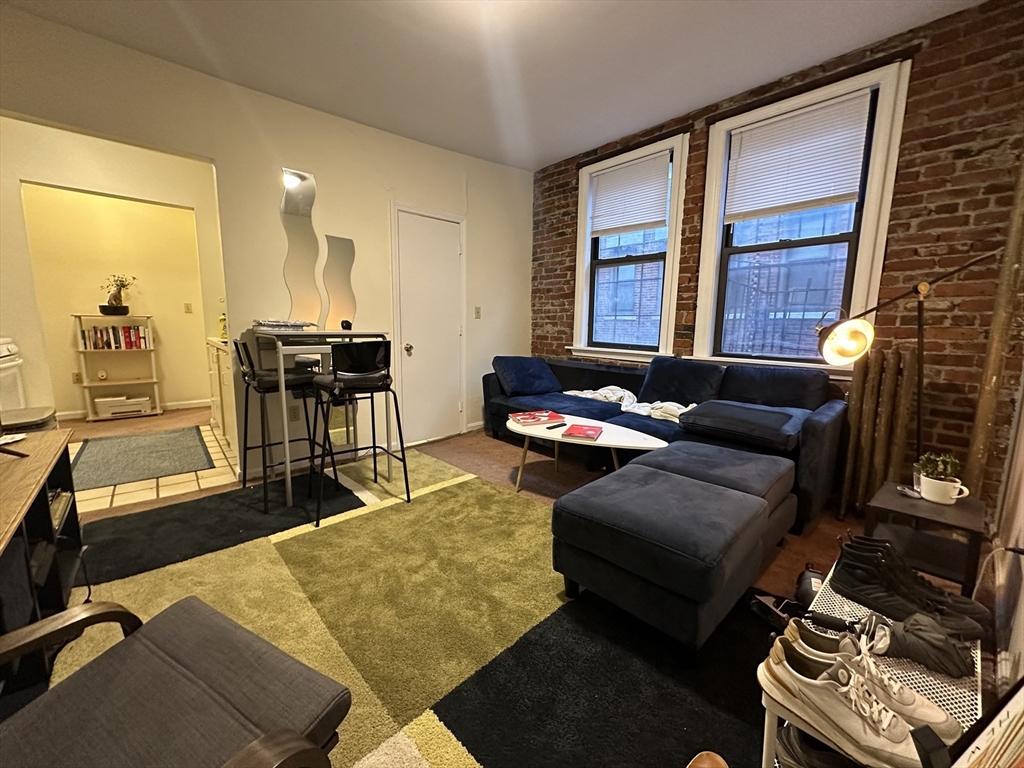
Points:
(771, 733)
(971, 568)
(615, 458)
(556, 455)
(283, 395)
(870, 520)
(387, 431)
(522, 462)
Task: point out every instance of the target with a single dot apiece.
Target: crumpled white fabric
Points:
(666, 411)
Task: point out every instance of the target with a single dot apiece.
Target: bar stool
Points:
(360, 370)
(298, 379)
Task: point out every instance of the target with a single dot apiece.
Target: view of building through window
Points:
(775, 297)
(629, 273)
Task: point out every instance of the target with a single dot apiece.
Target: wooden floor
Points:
(498, 462)
(186, 417)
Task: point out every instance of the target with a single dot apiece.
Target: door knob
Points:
(408, 349)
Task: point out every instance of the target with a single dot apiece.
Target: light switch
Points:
(476, 312)
(188, 308)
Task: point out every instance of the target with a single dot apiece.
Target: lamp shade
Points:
(846, 341)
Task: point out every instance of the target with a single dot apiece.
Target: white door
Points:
(430, 326)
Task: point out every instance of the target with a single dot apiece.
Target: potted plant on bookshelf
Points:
(115, 301)
(939, 481)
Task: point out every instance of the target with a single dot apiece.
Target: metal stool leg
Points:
(373, 435)
(263, 450)
(245, 439)
(313, 443)
(309, 434)
(330, 442)
(323, 458)
(401, 445)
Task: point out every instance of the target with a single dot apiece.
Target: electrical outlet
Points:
(293, 413)
(188, 308)
(476, 312)
(76, 377)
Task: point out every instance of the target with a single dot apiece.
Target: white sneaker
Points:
(837, 701)
(916, 709)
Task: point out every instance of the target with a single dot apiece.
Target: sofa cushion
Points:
(525, 376)
(567, 405)
(675, 380)
(775, 385)
(682, 534)
(191, 687)
(770, 477)
(760, 426)
(669, 431)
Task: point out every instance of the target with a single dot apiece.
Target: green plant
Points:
(115, 284)
(939, 466)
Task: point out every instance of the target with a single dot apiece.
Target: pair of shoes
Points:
(918, 583)
(863, 576)
(795, 749)
(836, 704)
(915, 709)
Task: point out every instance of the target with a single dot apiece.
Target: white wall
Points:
(58, 75)
(44, 155)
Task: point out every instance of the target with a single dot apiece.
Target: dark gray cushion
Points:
(567, 405)
(759, 426)
(190, 688)
(775, 385)
(678, 380)
(525, 376)
(770, 477)
(682, 534)
(669, 431)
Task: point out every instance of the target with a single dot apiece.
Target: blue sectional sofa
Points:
(795, 413)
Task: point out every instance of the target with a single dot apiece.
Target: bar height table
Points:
(290, 342)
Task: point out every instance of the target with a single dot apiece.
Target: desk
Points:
(924, 551)
(287, 342)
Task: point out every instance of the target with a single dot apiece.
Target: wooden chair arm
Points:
(63, 627)
(280, 749)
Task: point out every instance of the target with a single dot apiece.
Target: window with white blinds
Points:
(807, 159)
(631, 196)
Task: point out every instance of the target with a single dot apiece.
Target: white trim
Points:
(474, 425)
(181, 404)
(891, 82)
(396, 303)
(680, 146)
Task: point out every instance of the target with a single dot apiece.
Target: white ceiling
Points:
(520, 82)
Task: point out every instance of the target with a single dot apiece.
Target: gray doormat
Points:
(104, 461)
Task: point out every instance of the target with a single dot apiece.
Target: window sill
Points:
(840, 373)
(606, 353)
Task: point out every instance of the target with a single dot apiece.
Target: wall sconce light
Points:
(291, 180)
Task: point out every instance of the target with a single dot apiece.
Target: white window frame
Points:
(670, 287)
(891, 82)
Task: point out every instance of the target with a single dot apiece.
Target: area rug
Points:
(104, 461)
(444, 618)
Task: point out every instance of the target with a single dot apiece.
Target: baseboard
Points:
(474, 425)
(182, 404)
(71, 415)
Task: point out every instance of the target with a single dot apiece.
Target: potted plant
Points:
(115, 301)
(939, 481)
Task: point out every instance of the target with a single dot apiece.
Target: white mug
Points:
(942, 491)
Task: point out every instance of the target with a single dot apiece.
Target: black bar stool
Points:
(264, 382)
(361, 369)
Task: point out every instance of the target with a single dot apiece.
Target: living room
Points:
(504, 241)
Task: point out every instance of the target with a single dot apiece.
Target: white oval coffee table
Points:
(612, 436)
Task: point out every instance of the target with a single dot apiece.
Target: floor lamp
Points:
(846, 341)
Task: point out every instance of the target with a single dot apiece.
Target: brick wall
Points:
(963, 136)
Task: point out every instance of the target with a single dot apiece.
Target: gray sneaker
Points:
(916, 709)
(837, 705)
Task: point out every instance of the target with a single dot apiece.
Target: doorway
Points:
(429, 312)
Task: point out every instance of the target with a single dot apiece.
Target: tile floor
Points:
(225, 470)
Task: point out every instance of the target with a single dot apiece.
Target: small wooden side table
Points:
(937, 555)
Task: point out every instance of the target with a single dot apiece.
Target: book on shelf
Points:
(117, 337)
(582, 432)
(533, 418)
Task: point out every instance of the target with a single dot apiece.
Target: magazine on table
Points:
(533, 418)
(583, 432)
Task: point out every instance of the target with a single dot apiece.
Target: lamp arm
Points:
(918, 290)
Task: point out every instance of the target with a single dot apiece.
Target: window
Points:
(623, 306)
(795, 218)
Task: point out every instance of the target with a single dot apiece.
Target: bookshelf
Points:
(125, 337)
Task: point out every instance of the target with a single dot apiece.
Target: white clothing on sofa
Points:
(666, 411)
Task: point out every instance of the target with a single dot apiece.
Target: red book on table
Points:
(582, 432)
(533, 418)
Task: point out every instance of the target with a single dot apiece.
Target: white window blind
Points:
(630, 196)
(809, 158)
